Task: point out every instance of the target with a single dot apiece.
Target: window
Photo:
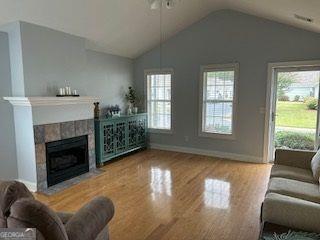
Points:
(159, 99)
(218, 84)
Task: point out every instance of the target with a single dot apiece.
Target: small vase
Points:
(96, 110)
(130, 107)
(135, 110)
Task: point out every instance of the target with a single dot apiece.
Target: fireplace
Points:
(66, 159)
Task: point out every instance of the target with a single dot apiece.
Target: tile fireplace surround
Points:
(40, 120)
(58, 131)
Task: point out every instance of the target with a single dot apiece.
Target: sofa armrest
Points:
(294, 158)
(291, 212)
(90, 220)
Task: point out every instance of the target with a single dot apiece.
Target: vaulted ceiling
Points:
(129, 28)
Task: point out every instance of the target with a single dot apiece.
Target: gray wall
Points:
(223, 37)
(108, 76)
(50, 57)
(8, 164)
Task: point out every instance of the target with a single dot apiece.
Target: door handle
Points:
(273, 116)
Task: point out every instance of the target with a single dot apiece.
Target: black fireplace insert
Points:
(66, 159)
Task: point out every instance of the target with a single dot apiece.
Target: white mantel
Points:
(50, 101)
(46, 110)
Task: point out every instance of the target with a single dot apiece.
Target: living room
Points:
(160, 119)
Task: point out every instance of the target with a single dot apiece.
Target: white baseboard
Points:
(231, 156)
(30, 185)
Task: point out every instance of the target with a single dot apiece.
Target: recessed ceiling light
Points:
(302, 18)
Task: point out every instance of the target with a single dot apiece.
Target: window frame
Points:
(218, 67)
(154, 72)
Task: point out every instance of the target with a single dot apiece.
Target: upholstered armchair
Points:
(19, 209)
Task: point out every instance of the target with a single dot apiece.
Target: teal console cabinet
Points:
(119, 135)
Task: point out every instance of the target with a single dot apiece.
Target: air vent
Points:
(302, 18)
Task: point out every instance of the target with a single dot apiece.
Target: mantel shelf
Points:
(50, 101)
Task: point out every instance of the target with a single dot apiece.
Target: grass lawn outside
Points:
(296, 115)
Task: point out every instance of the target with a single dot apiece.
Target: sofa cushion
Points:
(291, 212)
(294, 173)
(315, 165)
(293, 188)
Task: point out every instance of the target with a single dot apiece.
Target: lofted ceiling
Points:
(129, 28)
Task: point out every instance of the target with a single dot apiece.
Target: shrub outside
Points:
(312, 103)
(283, 98)
(294, 140)
(297, 98)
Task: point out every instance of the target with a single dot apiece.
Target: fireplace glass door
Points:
(66, 159)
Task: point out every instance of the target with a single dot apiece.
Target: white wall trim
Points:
(211, 153)
(30, 185)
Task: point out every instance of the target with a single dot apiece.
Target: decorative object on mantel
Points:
(77, 95)
(132, 99)
(96, 110)
(67, 92)
(62, 92)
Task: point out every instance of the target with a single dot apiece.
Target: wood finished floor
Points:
(160, 195)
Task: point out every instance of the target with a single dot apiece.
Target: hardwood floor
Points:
(162, 195)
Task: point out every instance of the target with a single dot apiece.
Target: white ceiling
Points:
(129, 28)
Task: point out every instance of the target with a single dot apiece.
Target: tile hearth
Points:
(68, 183)
(58, 131)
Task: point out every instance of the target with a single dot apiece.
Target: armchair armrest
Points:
(90, 220)
(294, 158)
(64, 216)
(30, 213)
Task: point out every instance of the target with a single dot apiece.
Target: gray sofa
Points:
(19, 209)
(293, 196)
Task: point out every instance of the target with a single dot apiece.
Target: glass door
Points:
(295, 109)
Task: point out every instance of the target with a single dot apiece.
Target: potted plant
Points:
(131, 98)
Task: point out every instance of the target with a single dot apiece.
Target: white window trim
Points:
(217, 67)
(159, 71)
